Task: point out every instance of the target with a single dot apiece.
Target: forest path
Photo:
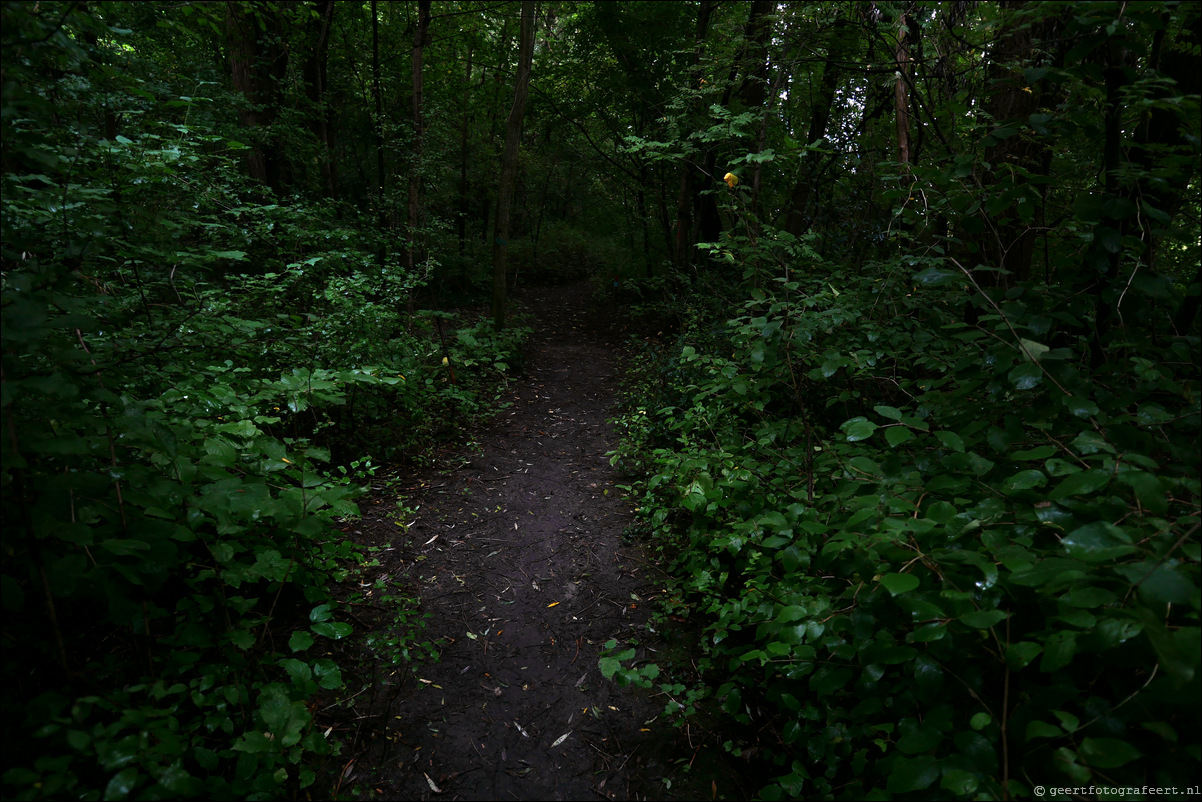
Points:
(517, 557)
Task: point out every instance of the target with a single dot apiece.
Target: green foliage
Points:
(930, 557)
(193, 371)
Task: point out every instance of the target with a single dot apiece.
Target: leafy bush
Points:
(930, 557)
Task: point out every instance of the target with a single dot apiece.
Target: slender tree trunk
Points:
(415, 177)
(375, 76)
(509, 165)
(901, 96)
(315, 87)
(464, 187)
(684, 236)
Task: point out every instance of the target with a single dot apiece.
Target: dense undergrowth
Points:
(930, 558)
(199, 377)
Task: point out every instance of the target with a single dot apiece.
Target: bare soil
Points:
(517, 555)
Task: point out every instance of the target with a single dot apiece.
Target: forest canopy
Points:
(918, 439)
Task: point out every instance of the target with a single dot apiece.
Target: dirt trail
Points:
(518, 558)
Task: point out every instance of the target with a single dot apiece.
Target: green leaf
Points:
(1081, 483)
(334, 631)
(959, 782)
(859, 429)
(1019, 655)
(1159, 582)
(935, 276)
(1149, 490)
(897, 584)
(1058, 651)
(1039, 452)
(122, 784)
(1042, 729)
(1033, 350)
(125, 547)
(300, 641)
(609, 666)
(983, 619)
(912, 774)
(1091, 443)
(253, 743)
(1097, 542)
(329, 675)
(1024, 480)
(1107, 753)
(980, 721)
(951, 440)
(896, 435)
(1026, 376)
(1080, 407)
(892, 413)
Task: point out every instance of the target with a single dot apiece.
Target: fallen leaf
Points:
(552, 604)
(561, 739)
(433, 787)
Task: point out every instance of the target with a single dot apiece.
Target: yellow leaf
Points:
(731, 180)
(552, 604)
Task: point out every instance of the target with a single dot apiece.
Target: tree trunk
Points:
(901, 95)
(375, 75)
(685, 223)
(315, 88)
(258, 66)
(415, 168)
(509, 165)
(464, 186)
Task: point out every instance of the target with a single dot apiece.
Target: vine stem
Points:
(1022, 346)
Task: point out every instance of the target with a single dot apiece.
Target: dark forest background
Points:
(918, 438)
